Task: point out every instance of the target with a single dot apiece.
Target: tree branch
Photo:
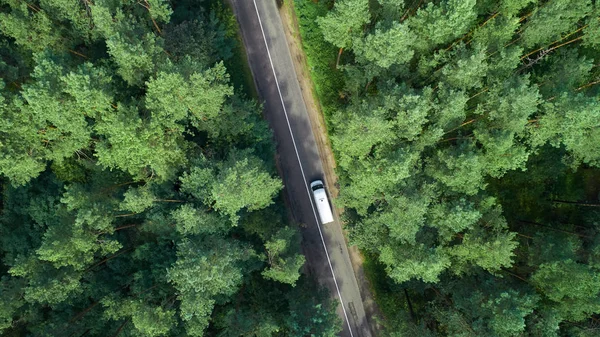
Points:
(108, 259)
(121, 328)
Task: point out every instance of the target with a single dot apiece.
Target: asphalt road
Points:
(299, 162)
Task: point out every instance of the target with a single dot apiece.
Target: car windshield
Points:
(316, 187)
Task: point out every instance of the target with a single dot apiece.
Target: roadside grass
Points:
(389, 297)
(237, 65)
(321, 55)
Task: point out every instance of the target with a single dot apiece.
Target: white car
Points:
(322, 202)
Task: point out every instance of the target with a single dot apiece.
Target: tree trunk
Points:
(125, 215)
(410, 307)
(124, 227)
(81, 314)
(578, 203)
(552, 228)
(146, 290)
(168, 200)
(78, 54)
(337, 63)
(587, 85)
(515, 275)
(86, 332)
(109, 258)
(463, 124)
(120, 328)
(562, 38)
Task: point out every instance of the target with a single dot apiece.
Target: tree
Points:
(205, 270)
(32, 30)
(248, 323)
(344, 24)
(406, 262)
(372, 178)
(468, 71)
(362, 134)
(563, 14)
(137, 199)
(386, 47)
(490, 252)
(143, 150)
(484, 306)
(196, 220)
(311, 315)
(238, 183)
(571, 121)
(147, 320)
(283, 256)
(197, 96)
(437, 24)
(403, 217)
(129, 39)
(11, 301)
(460, 168)
(453, 216)
(591, 34)
(571, 287)
(45, 122)
(391, 10)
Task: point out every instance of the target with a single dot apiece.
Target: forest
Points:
(467, 142)
(139, 190)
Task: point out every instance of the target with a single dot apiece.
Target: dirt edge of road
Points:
(317, 121)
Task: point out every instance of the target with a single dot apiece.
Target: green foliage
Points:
(284, 261)
(591, 36)
(241, 182)
(468, 70)
(238, 183)
(490, 253)
(122, 175)
(274, 309)
(137, 200)
(572, 287)
(31, 30)
(205, 270)
(461, 169)
(564, 16)
(344, 23)
(362, 133)
(321, 55)
(405, 262)
(147, 320)
(135, 60)
(191, 220)
(200, 96)
(461, 137)
(44, 122)
(386, 48)
(489, 309)
(437, 24)
(572, 122)
(309, 315)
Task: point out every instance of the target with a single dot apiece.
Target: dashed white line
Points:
(301, 169)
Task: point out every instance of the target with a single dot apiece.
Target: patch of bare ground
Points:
(292, 32)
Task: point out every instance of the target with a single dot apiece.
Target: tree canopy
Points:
(139, 195)
(466, 138)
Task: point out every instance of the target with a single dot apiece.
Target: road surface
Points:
(299, 161)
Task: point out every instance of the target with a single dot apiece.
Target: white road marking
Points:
(301, 169)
